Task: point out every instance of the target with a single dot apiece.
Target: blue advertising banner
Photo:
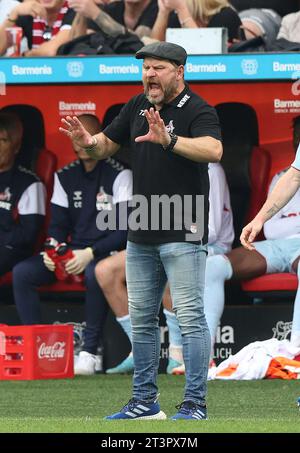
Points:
(116, 69)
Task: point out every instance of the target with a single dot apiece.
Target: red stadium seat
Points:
(260, 286)
(62, 287)
(246, 165)
(5, 280)
(259, 169)
(271, 283)
(45, 167)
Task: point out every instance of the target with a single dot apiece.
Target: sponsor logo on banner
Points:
(285, 67)
(75, 69)
(286, 106)
(53, 351)
(76, 108)
(78, 330)
(164, 345)
(282, 330)
(206, 68)
(31, 70)
(224, 340)
(249, 66)
(121, 69)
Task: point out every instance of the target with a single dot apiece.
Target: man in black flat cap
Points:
(173, 134)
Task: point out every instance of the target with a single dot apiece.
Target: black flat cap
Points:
(163, 51)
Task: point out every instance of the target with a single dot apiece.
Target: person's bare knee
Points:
(104, 272)
(111, 271)
(246, 263)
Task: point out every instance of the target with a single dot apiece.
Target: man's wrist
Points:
(95, 13)
(93, 145)
(167, 142)
(172, 142)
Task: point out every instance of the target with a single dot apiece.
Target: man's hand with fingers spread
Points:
(77, 133)
(157, 130)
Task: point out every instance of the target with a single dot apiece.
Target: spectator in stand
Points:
(82, 189)
(46, 24)
(196, 14)
(280, 251)
(282, 7)
(260, 22)
(290, 27)
(22, 198)
(110, 272)
(6, 6)
(137, 16)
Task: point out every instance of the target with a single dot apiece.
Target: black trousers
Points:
(9, 257)
(32, 273)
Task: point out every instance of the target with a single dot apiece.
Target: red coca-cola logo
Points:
(54, 351)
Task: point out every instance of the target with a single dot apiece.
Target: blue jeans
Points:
(148, 267)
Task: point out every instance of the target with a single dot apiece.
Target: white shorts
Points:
(279, 253)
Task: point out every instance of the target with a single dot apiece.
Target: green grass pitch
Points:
(79, 405)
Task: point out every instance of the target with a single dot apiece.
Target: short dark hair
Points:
(11, 123)
(296, 122)
(93, 120)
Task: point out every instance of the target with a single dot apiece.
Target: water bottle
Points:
(50, 247)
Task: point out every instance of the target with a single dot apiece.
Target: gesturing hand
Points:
(77, 133)
(157, 130)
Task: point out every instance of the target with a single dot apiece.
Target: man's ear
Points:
(180, 72)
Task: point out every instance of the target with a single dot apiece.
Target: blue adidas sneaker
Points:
(188, 410)
(124, 367)
(298, 402)
(139, 410)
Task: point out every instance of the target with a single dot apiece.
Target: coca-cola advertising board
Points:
(53, 350)
(36, 352)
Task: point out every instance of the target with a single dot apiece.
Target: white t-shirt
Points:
(286, 223)
(296, 163)
(220, 222)
(6, 6)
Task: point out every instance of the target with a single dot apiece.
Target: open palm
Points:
(157, 130)
(76, 132)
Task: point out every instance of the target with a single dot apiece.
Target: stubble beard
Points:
(167, 94)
